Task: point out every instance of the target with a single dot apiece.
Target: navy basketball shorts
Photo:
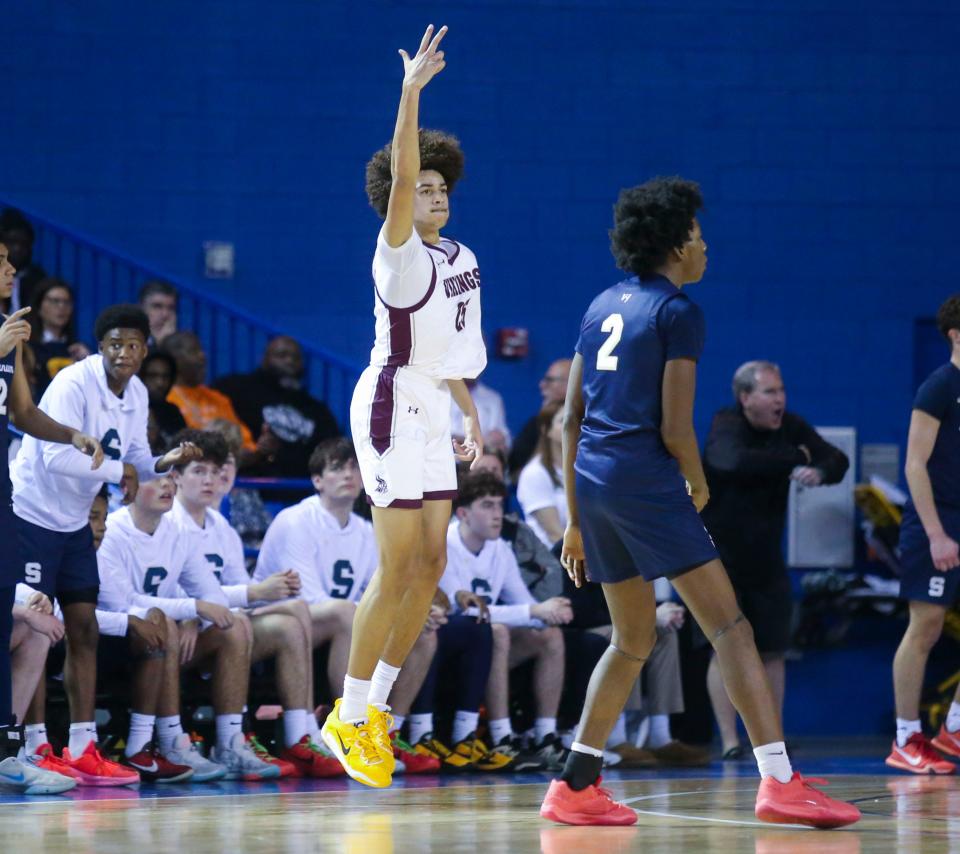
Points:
(60, 564)
(651, 536)
(11, 565)
(920, 580)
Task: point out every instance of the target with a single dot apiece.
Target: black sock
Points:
(11, 740)
(581, 770)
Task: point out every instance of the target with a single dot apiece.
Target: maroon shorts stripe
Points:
(400, 503)
(440, 495)
(382, 410)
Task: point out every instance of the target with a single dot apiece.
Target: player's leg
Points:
(783, 795)
(775, 666)
(723, 711)
(545, 647)
(332, 622)
(174, 745)
(227, 652)
(28, 661)
(80, 669)
(498, 685)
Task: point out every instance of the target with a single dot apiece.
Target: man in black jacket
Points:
(273, 396)
(754, 450)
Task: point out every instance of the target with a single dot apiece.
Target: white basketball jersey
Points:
(427, 309)
(333, 562)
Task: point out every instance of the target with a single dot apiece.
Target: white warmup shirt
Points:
(333, 562)
(221, 547)
(158, 570)
(53, 485)
(535, 491)
(427, 308)
(490, 411)
(492, 574)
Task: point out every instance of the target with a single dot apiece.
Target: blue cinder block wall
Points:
(822, 132)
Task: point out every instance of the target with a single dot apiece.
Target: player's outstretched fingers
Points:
(437, 39)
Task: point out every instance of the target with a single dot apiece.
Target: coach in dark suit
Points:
(754, 450)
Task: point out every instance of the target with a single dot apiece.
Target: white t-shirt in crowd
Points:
(536, 491)
(490, 411)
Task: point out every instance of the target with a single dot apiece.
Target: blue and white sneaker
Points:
(26, 778)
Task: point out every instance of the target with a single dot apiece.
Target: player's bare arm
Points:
(471, 448)
(405, 150)
(572, 556)
(920, 441)
(676, 428)
(34, 421)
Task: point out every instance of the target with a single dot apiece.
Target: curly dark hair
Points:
(651, 220)
(948, 315)
(122, 316)
(478, 484)
(212, 445)
(331, 452)
(439, 151)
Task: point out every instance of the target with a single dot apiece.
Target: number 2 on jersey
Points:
(3, 396)
(606, 361)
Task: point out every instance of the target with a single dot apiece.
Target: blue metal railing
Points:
(234, 339)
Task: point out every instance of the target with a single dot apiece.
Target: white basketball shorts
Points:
(400, 422)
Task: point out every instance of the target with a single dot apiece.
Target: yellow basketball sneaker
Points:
(380, 723)
(355, 748)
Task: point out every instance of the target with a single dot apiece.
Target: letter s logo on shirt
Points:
(31, 573)
(111, 444)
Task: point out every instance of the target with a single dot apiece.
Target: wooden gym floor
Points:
(701, 810)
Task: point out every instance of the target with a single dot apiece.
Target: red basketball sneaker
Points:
(797, 802)
(94, 770)
(155, 768)
(312, 760)
(918, 757)
(49, 761)
(414, 763)
(947, 742)
(592, 805)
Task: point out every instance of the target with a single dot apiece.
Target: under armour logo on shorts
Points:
(414, 409)
(381, 485)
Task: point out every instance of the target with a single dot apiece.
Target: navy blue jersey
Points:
(628, 335)
(939, 396)
(7, 367)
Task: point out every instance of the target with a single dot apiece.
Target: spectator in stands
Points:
(53, 337)
(540, 485)
(158, 299)
(200, 405)
(754, 450)
(482, 579)
(490, 413)
(244, 508)
(159, 374)
(334, 554)
(272, 401)
(553, 388)
(17, 234)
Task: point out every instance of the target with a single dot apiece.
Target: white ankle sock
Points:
(619, 734)
(169, 729)
(353, 706)
(464, 723)
(398, 721)
(772, 760)
(36, 736)
(294, 726)
(659, 731)
(381, 683)
(906, 728)
(141, 732)
(953, 717)
(500, 728)
(313, 728)
(542, 727)
(227, 727)
(585, 748)
(420, 725)
(81, 734)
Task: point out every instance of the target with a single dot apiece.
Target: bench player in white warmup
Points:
(427, 309)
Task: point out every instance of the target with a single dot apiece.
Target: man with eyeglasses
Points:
(553, 386)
